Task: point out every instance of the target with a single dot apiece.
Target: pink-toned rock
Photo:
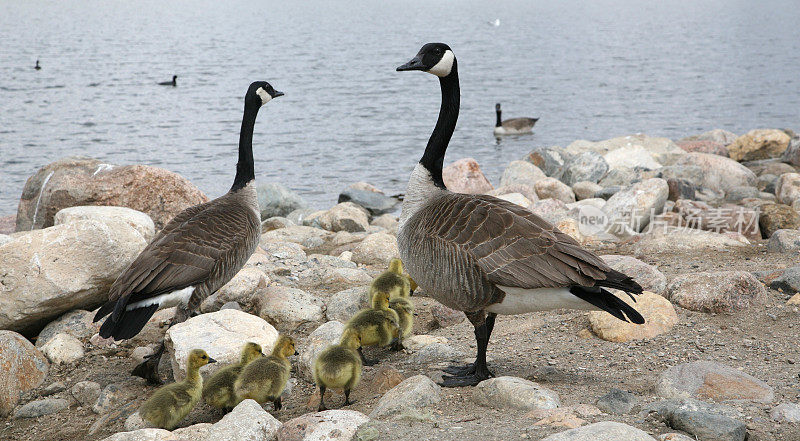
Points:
(528, 192)
(445, 316)
(787, 189)
(8, 224)
(723, 291)
(74, 181)
(563, 417)
(385, 379)
(707, 380)
(22, 368)
(723, 219)
(711, 147)
(465, 176)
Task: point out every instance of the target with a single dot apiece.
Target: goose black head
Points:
(260, 93)
(497, 107)
(435, 58)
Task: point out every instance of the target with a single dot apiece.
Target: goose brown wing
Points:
(186, 253)
(511, 245)
(519, 123)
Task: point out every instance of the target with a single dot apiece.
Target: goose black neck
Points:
(498, 123)
(245, 171)
(433, 158)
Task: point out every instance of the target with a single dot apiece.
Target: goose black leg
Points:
(473, 373)
(322, 399)
(148, 369)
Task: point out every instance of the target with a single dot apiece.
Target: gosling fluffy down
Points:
(265, 378)
(377, 326)
(218, 390)
(394, 282)
(171, 403)
(339, 367)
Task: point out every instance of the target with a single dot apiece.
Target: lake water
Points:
(590, 70)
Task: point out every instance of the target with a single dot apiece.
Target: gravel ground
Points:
(549, 348)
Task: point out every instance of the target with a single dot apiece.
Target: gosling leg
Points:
(321, 399)
(347, 401)
(277, 403)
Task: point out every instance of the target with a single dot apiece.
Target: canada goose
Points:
(339, 367)
(171, 403)
(513, 126)
(377, 326)
(172, 83)
(37, 67)
(264, 379)
(196, 253)
(483, 255)
(218, 390)
(398, 286)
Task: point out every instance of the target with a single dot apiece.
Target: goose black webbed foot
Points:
(365, 361)
(459, 370)
(397, 345)
(148, 369)
(469, 375)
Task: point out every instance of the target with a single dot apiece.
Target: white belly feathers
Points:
(521, 301)
(164, 300)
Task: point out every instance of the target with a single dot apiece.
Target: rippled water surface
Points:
(589, 70)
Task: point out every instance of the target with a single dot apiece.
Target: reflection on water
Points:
(591, 71)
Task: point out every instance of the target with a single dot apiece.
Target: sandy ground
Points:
(544, 347)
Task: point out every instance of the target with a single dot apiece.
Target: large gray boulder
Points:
(221, 334)
(586, 166)
(720, 174)
(69, 266)
(274, 199)
(376, 203)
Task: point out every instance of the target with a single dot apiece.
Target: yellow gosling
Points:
(218, 390)
(265, 378)
(377, 326)
(339, 367)
(171, 403)
(399, 287)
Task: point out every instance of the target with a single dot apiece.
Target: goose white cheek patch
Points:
(444, 66)
(265, 96)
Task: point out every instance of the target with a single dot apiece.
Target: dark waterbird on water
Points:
(170, 83)
(485, 256)
(512, 126)
(37, 67)
(195, 254)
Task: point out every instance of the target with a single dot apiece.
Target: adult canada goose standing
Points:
(173, 83)
(37, 67)
(513, 126)
(485, 256)
(196, 253)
